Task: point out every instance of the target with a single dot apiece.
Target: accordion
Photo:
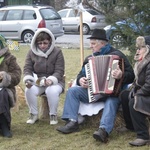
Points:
(100, 82)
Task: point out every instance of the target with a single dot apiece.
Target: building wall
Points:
(60, 4)
(3, 3)
(57, 4)
(19, 2)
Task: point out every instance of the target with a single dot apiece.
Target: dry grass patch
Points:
(42, 136)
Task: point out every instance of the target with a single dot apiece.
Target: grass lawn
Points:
(42, 136)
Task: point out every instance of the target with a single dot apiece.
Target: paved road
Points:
(72, 41)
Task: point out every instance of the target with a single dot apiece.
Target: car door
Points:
(2, 14)
(11, 25)
(70, 20)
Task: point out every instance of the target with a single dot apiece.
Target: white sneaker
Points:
(53, 119)
(32, 119)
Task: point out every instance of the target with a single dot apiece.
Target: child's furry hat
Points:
(143, 41)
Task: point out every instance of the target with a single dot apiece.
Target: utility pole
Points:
(81, 37)
(77, 6)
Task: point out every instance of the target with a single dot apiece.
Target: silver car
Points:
(91, 20)
(21, 22)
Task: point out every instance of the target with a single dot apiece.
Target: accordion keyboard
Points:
(88, 75)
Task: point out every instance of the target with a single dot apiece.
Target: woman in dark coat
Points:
(136, 105)
(10, 75)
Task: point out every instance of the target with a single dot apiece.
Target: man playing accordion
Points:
(99, 46)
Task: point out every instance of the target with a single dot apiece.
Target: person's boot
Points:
(71, 126)
(101, 135)
(4, 127)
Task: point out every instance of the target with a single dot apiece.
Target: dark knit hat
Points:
(99, 34)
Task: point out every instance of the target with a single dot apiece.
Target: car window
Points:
(92, 12)
(72, 13)
(49, 14)
(63, 13)
(14, 15)
(2, 14)
(29, 15)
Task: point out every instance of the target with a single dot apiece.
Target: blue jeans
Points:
(72, 102)
(109, 113)
(75, 95)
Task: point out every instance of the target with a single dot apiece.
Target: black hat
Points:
(99, 34)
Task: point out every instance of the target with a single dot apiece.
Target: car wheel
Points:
(86, 29)
(117, 39)
(27, 36)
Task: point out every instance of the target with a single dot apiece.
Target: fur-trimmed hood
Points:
(140, 65)
(143, 41)
(46, 65)
(142, 73)
(34, 48)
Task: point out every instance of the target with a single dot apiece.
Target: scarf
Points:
(104, 50)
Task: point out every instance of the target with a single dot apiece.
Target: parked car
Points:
(91, 20)
(21, 22)
(123, 32)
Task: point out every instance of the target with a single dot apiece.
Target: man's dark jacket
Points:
(128, 75)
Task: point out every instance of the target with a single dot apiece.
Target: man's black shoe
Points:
(101, 135)
(70, 127)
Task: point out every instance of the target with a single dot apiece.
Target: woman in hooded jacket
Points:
(10, 75)
(136, 102)
(46, 62)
